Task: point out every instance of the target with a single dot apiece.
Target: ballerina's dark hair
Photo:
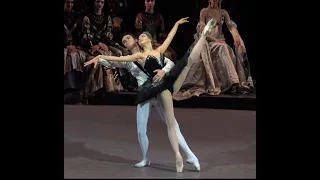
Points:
(148, 34)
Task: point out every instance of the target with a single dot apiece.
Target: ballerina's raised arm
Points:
(170, 36)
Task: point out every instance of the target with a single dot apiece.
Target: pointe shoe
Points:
(179, 163)
(195, 163)
(142, 163)
(207, 29)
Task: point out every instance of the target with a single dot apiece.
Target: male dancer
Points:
(143, 109)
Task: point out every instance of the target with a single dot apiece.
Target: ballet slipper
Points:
(195, 163)
(206, 30)
(181, 78)
(179, 163)
(209, 26)
(142, 163)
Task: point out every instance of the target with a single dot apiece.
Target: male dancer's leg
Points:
(191, 158)
(143, 111)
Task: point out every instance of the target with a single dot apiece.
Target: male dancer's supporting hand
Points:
(159, 75)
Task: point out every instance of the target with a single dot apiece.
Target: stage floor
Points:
(101, 142)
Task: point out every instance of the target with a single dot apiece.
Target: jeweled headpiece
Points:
(147, 33)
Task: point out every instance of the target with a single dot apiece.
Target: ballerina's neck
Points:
(147, 48)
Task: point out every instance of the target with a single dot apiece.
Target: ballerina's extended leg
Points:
(195, 53)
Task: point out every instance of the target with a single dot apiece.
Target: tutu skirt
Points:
(151, 89)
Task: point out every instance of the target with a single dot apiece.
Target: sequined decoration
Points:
(151, 17)
(98, 19)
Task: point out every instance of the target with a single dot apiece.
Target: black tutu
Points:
(151, 89)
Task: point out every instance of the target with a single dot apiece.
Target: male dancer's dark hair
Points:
(128, 33)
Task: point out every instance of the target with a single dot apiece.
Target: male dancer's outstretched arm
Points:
(113, 63)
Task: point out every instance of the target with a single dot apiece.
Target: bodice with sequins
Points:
(152, 63)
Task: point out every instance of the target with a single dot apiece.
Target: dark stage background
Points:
(241, 12)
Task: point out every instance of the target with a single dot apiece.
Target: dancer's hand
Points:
(182, 21)
(92, 61)
(159, 75)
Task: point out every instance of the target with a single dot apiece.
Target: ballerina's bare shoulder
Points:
(144, 56)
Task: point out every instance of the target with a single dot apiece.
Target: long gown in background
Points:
(219, 68)
(74, 59)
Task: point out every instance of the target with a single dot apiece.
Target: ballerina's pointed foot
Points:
(207, 29)
(142, 163)
(179, 163)
(195, 163)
